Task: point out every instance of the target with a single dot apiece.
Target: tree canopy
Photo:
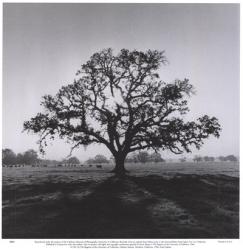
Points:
(120, 101)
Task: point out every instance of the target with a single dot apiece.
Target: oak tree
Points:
(119, 101)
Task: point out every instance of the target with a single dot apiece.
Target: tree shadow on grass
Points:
(212, 200)
(105, 214)
(133, 207)
(101, 213)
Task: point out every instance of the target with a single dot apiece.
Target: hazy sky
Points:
(45, 44)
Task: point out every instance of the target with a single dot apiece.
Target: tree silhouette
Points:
(208, 158)
(231, 158)
(156, 157)
(119, 101)
(143, 157)
(97, 159)
(30, 157)
(197, 158)
(8, 156)
(72, 160)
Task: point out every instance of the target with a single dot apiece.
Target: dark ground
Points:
(185, 206)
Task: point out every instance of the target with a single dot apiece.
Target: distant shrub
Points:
(144, 157)
(208, 158)
(72, 160)
(231, 158)
(97, 159)
(222, 158)
(156, 157)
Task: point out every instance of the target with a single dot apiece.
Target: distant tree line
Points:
(97, 159)
(231, 158)
(228, 158)
(143, 157)
(28, 157)
(140, 157)
(71, 160)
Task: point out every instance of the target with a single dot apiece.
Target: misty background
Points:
(45, 44)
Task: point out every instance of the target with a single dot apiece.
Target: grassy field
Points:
(169, 200)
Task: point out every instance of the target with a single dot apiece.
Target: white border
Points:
(215, 244)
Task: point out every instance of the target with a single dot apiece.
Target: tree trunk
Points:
(119, 169)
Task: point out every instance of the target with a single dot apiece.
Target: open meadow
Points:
(162, 200)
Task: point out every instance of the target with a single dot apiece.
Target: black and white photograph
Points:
(120, 120)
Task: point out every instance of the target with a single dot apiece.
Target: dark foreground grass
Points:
(185, 206)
